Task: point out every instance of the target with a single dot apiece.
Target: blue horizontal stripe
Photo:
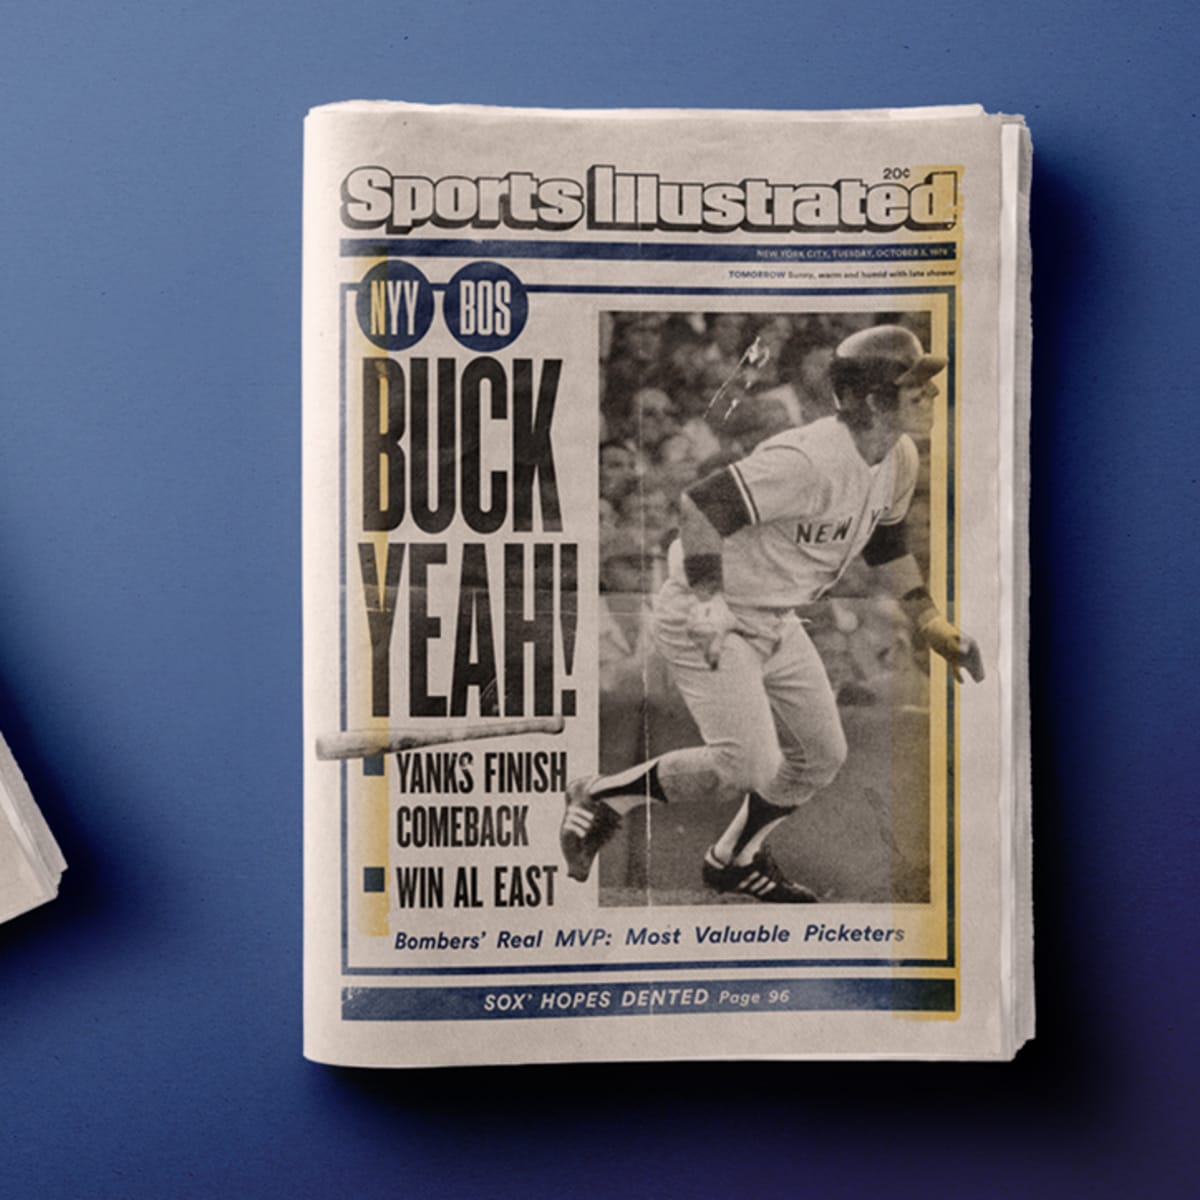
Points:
(639, 999)
(768, 257)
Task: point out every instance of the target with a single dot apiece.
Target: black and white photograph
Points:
(823, 790)
(664, 560)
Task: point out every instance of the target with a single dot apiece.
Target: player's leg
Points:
(746, 834)
(733, 713)
(596, 804)
(737, 719)
(594, 807)
(813, 746)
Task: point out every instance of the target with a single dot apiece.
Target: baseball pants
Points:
(767, 714)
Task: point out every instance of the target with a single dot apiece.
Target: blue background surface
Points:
(150, 610)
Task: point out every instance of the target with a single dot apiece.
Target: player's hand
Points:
(709, 623)
(958, 649)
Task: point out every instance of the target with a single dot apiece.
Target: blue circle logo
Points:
(394, 305)
(485, 307)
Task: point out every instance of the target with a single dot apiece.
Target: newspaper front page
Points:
(664, 585)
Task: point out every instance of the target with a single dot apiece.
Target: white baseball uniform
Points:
(767, 713)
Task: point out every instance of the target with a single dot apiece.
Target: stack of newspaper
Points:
(31, 863)
(665, 585)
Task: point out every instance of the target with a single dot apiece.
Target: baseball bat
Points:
(366, 743)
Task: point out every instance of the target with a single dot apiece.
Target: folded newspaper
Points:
(31, 863)
(665, 585)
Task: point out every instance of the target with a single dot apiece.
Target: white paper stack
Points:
(561, 291)
(31, 863)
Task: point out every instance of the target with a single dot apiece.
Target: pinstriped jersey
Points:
(813, 503)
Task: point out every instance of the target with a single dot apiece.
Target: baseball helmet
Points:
(884, 356)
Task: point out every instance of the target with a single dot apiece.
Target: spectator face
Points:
(679, 449)
(687, 360)
(618, 472)
(654, 417)
(678, 466)
(643, 340)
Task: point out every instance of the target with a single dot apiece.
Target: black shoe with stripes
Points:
(760, 879)
(586, 825)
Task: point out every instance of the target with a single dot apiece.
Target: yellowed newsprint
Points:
(665, 585)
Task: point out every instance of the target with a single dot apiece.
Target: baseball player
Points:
(775, 530)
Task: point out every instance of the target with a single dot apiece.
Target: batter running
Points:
(757, 539)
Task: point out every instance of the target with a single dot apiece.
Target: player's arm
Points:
(709, 511)
(702, 549)
(887, 551)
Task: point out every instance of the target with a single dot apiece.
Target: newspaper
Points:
(665, 585)
(31, 863)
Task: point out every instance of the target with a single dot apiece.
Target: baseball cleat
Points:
(586, 825)
(760, 879)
